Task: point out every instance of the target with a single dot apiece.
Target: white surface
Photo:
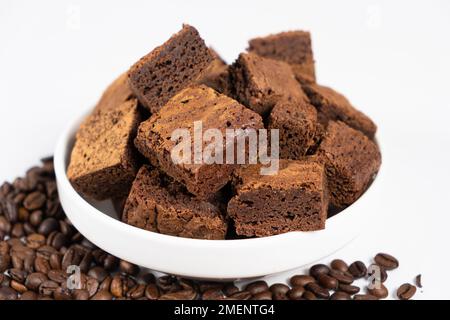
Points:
(390, 58)
(207, 259)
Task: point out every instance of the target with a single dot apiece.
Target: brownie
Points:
(332, 105)
(216, 75)
(102, 164)
(294, 199)
(198, 103)
(351, 161)
(292, 47)
(169, 68)
(157, 203)
(259, 83)
(296, 121)
(117, 93)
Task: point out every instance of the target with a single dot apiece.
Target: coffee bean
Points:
(296, 293)
(92, 286)
(379, 291)
(47, 226)
(98, 273)
(327, 282)
(317, 269)
(11, 210)
(41, 265)
(378, 273)
(62, 294)
(55, 261)
(213, 294)
(4, 248)
(80, 294)
(117, 286)
(419, 280)
(7, 293)
(230, 289)
(102, 295)
(168, 283)
(129, 268)
(340, 265)
(34, 280)
(19, 287)
(406, 291)
(279, 296)
(5, 262)
(17, 230)
(179, 295)
(279, 288)
(152, 292)
(341, 276)
(208, 285)
(257, 287)
(136, 292)
(241, 295)
(357, 269)
(4, 280)
(348, 288)
(34, 201)
(46, 252)
(265, 295)
(387, 261)
(301, 280)
(23, 215)
(29, 295)
(110, 262)
(57, 240)
(86, 262)
(318, 290)
(5, 225)
(17, 274)
(58, 276)
(364, 297)
(340, 295)
(308, 295)
(34, 241)
(105, 284)
(48, 287)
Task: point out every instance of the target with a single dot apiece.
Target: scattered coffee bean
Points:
(279, 288)
(364, 297)
(296, 293)
(34, 280)
(349, 288)
(340, 265)
(318, 291)
(308, 295)
(265, 295)
(7, 293)
(387, 261)
(317, 269)
(34, 201)
(341, 276)
(379, 273)
(340, 295)
(213, 294)
(47, 226)
(29, 295)
(419, 280)
(358, 269)
(102, 295)
(241, 295)
(179, 295)
(327, 282)
(301, 280)
(379, 291)
(406, 291)
(257, 287)
(128, 268)
(152, 292)
(230, 289)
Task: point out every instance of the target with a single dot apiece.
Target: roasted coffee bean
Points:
(58, 276)
(5, 262)
(19, 287)
(136, 292)
(34, 201)
(308, 295)
(257, 287)
(18, 198)
(47, 226)
(36, 218)
(208, 285)
(378, 273)
(102, 295)
(55, 261)
(301, 280)
(327, 282)
(341, 276)
(57, 240)
(46, 252)
(188, 284)
(230, 289)
(128, 268)
(11, 210)
(406, 291)
(98, 273)
(92, 286)
(379, 291)
(48, 287)
(364, 297)
(117, 286)
(340, 295)
(152, 292)
(62, 294)
(147, 278)
(387, 261)
(296, 293)
(17, 230)
(110, 262)
(80, 294)
(7, 293)
(29, 295)
(5, 225)
(168, 283)
(213, 294)
(71, 257)
(4, 280)
(318, 290)
(23, 215)
(4, 248)
(105, 284)
(241, 295)
(419, 280)
(279, 288)
(41, 265)
(17, 275)
(358, 269)
(265, 295)
(34, 280)
(179, 295)
(349, 288)
(279, 296)
(34, 241)
(67, 229)
(86, 262)
(340, 265)
(317, 269)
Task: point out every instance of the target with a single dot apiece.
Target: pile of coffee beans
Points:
(38, 244)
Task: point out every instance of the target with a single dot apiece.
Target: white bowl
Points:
(205, 259)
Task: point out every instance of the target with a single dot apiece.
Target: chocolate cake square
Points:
(292, 47)
(169, 68)
(216, 75)
(333, 106)
(158, 203)
(297, 122)
(294, 199)
(259, 83)
(103, 164)
(116, 94)
(351, 161)
(215, 111)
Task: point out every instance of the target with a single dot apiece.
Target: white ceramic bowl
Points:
(206, 259)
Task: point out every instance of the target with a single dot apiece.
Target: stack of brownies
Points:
(123, 148)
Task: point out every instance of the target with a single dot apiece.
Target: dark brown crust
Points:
(333, 106)
(295, 199)
(351, 162)
(160, 204)
(217, 75)
(169, 68)
(117, 93)
(103, 163)
(292, 47)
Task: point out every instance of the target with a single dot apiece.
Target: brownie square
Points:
(332, 105)
(296, 121)
(259, 83)
(216, 75)
(198, 103)
(292, 47)
(294, 199)
(351, 161)
(169, 68)
(117, 93)
(102, 164)
(160, 204)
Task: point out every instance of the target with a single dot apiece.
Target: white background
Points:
(391, 58)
